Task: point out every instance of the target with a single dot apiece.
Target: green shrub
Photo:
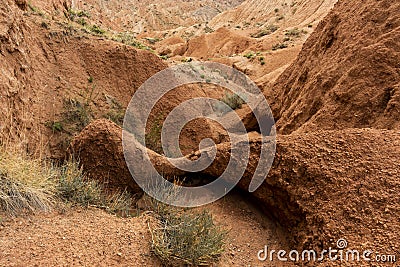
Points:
(73, 14)
(266, 31)
(55, 126)
(293, 32)
(74, 187)
(184, 236)
(233, 100)
(97, 30)
(153, 135)
(116, 112)
(279, 46)
(129, 39)
(249, 55)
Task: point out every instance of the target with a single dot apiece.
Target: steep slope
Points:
(139, 16)
(52, 76)
(348, 73)
(284, 13)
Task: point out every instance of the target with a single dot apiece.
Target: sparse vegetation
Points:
(35, 10)
(26, 185)
(44, 25)
(97, 30)
(77, 115)
(81, 21)
(249, 55)
(73, 14)
(129, 39)
(207, 29)
(186, 59)
(185, 237)
(74, 187)
(152, 40)
(279, 46)
(55, 126)
(78, 111)
(266, 31)
(234, 101)
(30, 185)
(262, 60)
(116, 112)
(153, 135)
(293, 32)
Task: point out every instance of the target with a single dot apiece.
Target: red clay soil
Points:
(323, 186)
(44, 66)
(94, 238)
(347, 74)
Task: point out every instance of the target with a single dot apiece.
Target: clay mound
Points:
(174, 46)
(322, 186)
(222, 42)
(347, 74)
(95, 148)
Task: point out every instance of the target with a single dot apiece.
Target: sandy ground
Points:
(92, 237)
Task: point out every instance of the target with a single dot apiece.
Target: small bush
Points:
(279, 46)
(73, 14)
(153, 135)
(36, 10)
(233, 100)
(78, 111)
(44, 25)
(55, 126)
(188, 238)
(186, 59)
(74, 187)
(81, 21)
(184, 237)
(116, 112)
(129, 39)
(249, 55)
(207, 29)
(97, 30)
(293, 32)
(78, 114)
(267, 31)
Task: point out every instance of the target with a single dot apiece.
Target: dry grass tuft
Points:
(26, 185)
(74, 187)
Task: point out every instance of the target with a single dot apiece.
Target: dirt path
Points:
(95, 238)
